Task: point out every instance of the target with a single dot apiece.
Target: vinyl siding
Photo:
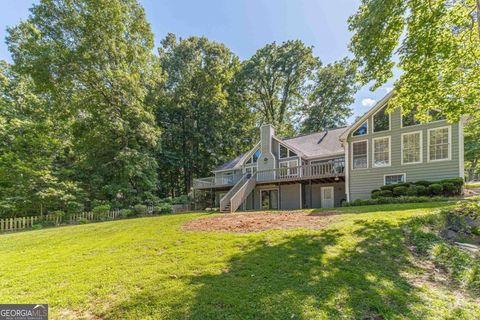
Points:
(363, 181)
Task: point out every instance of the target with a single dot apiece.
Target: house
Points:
(327, 168)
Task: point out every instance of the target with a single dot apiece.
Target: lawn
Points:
(357, 267)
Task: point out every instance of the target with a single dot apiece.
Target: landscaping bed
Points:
(261, 221)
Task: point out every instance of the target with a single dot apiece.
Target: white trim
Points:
(395, 174)
(389, 120)
(347, 172)
(449, 144)
(361, 135)
(362, 119)
(300, 206)
(421, 147)
(285, 144)
(368, 158)
(389, 152)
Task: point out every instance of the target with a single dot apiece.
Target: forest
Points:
(94, 109)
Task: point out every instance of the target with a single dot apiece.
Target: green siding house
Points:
(327, 168)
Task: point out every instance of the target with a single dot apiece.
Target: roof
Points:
(320, 144)
(230, 164)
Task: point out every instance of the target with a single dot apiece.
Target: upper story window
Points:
(381, 120)
(436, 115)
(285, 152)
(360, 154)
(409, 119)
(412, 147)
(254, 157)
(381, 152)
(362, 130)
(439, 141)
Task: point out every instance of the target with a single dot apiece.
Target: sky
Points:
(244, 26)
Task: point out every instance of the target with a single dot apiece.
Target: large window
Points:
(412, 147)
(254, 157)
(381, 152)
(381, 120)
(409, 119)
(284, 152)
(439, 144)
(394, 178)
(362, 130)
(360, 154)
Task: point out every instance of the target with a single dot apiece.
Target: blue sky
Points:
(243, 26)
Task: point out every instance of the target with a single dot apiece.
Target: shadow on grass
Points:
(384, 207)
(306, 276)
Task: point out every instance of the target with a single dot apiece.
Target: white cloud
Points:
(388, 89)
(368, 102)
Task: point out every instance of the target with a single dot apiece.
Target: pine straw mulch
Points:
(261, 221)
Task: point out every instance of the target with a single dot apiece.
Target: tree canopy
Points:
(435, 44)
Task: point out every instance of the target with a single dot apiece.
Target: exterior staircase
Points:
(234, 198)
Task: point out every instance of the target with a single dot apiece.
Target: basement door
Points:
(327, 199)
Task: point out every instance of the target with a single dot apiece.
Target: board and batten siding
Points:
(363, 181)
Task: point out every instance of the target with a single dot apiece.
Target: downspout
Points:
(347, 171)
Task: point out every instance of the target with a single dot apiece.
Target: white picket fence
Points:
(22, 223)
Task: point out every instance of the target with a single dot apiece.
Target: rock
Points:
(450, 234)
(173, 276)
(472, 222)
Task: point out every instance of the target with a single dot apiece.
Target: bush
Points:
(423, 183)
(101, 212)
(388, 187)
(376, 194)
(400, 191)
(421, 190)
(163, 208)
(183, 199)
(449, 189)
(435, 189)
(125, 213)
(140, 209)
(37, 226)
(82, 221)
(385, 194)
(391, 200)
(412, 191)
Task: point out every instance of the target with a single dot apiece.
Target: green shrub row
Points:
(447, 188)
(392, 200)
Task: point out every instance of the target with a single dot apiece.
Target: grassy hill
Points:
(358, 267)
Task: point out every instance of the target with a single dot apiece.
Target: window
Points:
(288, 168)
(381, 120)
(362, 130)
(412, 147)
(360, 154)
(435, 115)
(439, 144)
(394, 178)
(381, 152)
(254, 157)
(285, 152)
(409, 119)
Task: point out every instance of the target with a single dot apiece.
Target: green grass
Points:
(356, 268)
(472, 185)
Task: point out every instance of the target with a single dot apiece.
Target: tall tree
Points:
(472, 147)
(94, 62)
(201, 114)
(276, 79)
(31, 181)
(332, 92)
(437, 43)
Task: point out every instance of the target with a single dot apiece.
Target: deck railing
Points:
(327, 169)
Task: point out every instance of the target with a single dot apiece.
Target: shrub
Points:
(101, 212)
(400, 191)
(412, 191)
(423, 183)
(125, 213)
(449, 189)
(140, 209)
(82, 221)
(37, 226)
(391, 200)
(388, 187)
(385, 194)
(183, 199)
(435, 189)
(422, 190)
(376, 194)
(163, 208)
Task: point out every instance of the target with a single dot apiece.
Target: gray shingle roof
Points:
(320, 144)
(230, 164)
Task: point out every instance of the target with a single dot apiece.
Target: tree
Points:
(275, 79)
(31, 181)
(327, 105)
(201, 113)
(93, 61)
(437, 43)
(472, 147)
